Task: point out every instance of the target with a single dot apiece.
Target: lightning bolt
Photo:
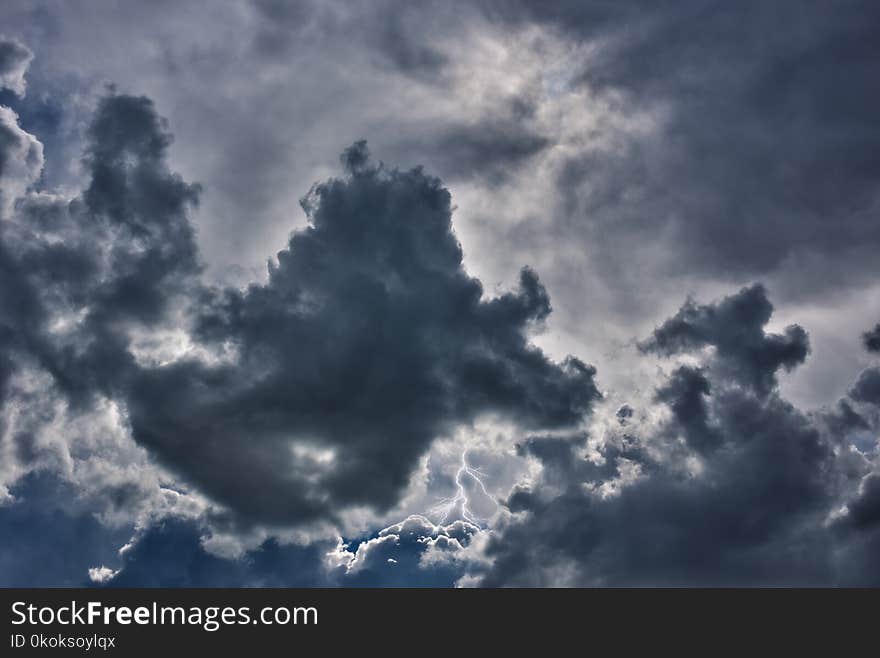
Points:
(460, 502)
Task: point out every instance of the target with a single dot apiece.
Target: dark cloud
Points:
(843, 419)
(624, 413)
(872, 339)
(867, 387)
(368, 341)
(685, 394)
(752, 510)
(398, 37)
(716, 141)
(402, 36)
(145, 206)
(865, 510)
(762, 157)
(489, 149)
(113, 258)
(755, 513)
(734, 328)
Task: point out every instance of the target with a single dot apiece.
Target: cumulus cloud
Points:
(734, 486)
(204, 426)
(759, 162)
(412, 553)
(734, 329)
(81, 274)
(101, 574)
(284, 403)
(368, 341)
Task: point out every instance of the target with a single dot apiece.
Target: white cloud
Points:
(102, 574)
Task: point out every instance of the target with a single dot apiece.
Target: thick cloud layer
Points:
(368, 341)
(233, 424)
(763, 160)
(734, 487)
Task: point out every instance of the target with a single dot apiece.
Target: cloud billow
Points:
(745, 498)
(735, 329)
(318, 391)
(229, 435)
(368, 341)
(759, 161)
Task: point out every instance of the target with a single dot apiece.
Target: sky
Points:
(472, 294)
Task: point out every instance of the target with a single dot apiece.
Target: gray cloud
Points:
(867, 387)
(15, 58)
(865, 510)
(627, 152)
(735, 329)
(685, 393)
(754, 508)
(721, 146)
(114, 257)
(762, 157)
(489, 149)
(367, 342)
(398, 36)
(872, 339)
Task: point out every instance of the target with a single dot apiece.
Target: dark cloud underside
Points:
(368, 341)
(754, 512)
(630, 152)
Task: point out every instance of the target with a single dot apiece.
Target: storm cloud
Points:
(763, 158)
(207, 384)
(745, 498)
(368, 341)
